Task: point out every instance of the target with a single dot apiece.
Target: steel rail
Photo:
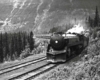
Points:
(35, 72)
(15, 67)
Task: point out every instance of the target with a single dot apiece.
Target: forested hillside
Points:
(12, 45)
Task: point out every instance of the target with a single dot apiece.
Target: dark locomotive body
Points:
(63, 46)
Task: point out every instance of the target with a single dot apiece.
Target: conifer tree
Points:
(12, 50)
(19, 44)
(96, 19)
(24, 41)
(16, 44)
(31, 41)
(6, 45)
(90, 21)
(1, 49)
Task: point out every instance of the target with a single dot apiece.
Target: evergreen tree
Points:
(12, 50)
(19, 44)
(96, 19)
(24, 41)
(16, 44)
(31, 41)
(90, 21)
(1, 49)
(6, 45)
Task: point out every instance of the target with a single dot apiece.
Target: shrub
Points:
(25, 53)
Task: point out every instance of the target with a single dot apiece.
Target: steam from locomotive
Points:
(80, 28)
(76, 29)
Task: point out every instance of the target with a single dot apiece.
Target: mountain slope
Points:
(41, 15)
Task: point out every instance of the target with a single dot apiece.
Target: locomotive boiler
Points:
(64, 45)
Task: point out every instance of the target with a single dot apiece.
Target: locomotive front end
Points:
(56, 51)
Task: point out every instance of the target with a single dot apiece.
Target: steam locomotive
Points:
(64, 45)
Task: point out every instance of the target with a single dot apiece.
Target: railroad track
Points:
(18, 66)
(29, 73)
(33, 73)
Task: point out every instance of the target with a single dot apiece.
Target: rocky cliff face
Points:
(41, 15)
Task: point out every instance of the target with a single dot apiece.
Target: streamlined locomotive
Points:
(63, 46)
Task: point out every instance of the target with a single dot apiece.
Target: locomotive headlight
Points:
(56, 42)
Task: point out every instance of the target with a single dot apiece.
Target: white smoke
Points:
(80, 28)
(76, 29)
